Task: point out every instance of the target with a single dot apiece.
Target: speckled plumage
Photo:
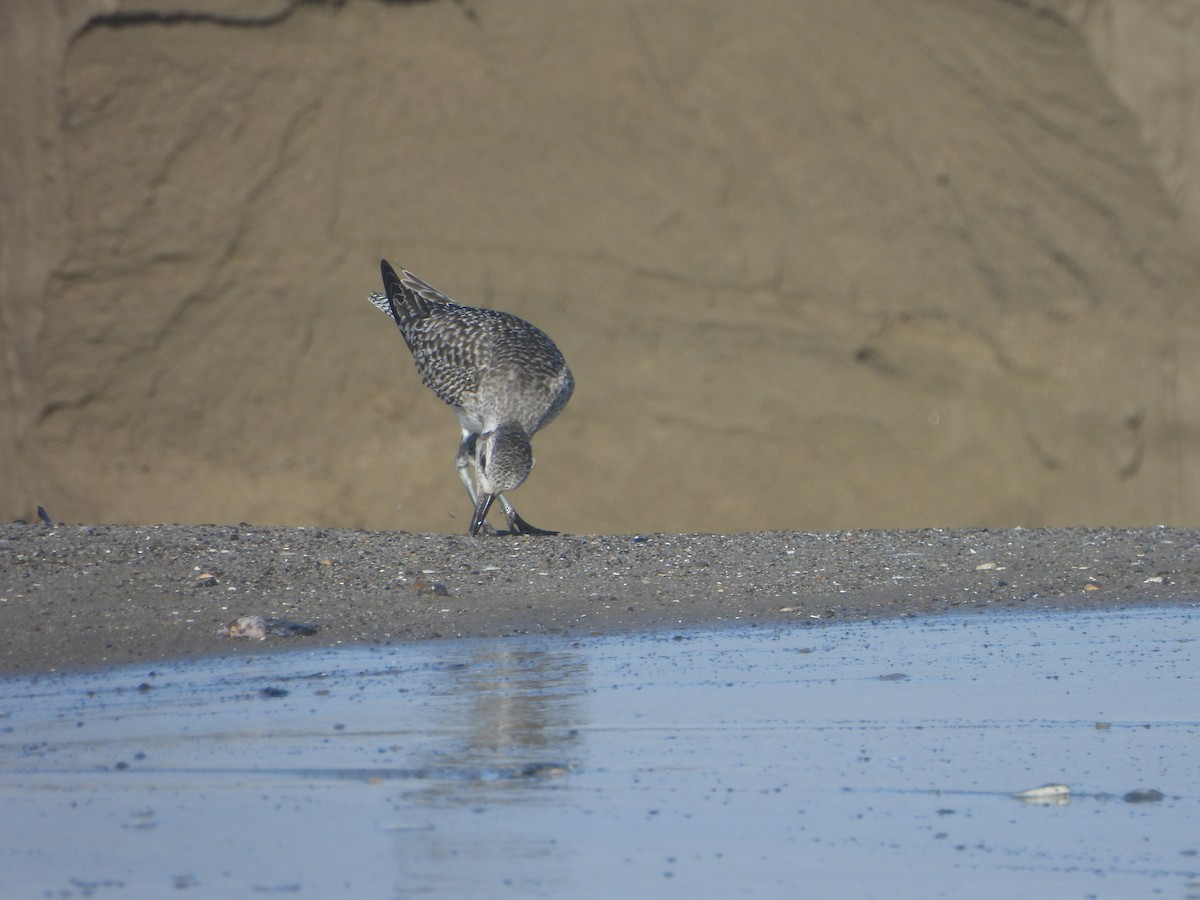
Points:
(504, 378)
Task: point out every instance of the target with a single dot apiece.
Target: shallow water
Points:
(872, 760)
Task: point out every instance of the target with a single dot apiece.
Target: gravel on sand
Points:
(78, 596)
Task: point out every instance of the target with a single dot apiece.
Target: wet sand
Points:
(80, 596)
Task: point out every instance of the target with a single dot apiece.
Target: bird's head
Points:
(503, 459)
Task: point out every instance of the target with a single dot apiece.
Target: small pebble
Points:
(430, 587)
(1144, 795)
(544, 770)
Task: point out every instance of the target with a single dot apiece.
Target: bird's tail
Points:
(382, 303)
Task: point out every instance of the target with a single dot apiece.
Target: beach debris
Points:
(544, 770)
(1046, 795)
(426, 588)
(262, 627)
(1154, 579)
(983, 567)
(1090, 586)
(206, 579)
(1144, 795)
(142, 820)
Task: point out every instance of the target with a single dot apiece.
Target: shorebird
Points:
(503, 377)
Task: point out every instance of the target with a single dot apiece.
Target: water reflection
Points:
(778, 762)
(510, 719)
(511, 738)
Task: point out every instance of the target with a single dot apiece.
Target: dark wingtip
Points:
(392, 285)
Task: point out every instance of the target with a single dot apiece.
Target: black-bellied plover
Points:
(504, 378)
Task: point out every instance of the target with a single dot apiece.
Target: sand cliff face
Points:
(1147, 52)
(821, 265)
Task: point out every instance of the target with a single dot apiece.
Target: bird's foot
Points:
(524, 529)
(517, 525)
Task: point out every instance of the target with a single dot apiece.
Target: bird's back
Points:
(491, 365)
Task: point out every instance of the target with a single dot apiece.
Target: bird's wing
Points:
(423, 289)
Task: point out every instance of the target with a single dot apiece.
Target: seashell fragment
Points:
(1046, 795)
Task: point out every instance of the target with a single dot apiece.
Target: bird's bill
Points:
(481, 511)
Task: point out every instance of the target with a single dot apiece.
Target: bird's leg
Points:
(518, 525)
(464, 462)
(466, 465)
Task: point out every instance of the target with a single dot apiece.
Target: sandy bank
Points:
(84, 595)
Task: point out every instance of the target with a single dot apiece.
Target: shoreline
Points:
(82, 596)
